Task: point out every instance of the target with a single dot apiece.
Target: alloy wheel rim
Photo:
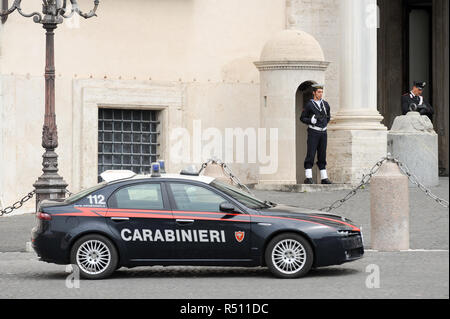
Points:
(289, 256)
(93, 257)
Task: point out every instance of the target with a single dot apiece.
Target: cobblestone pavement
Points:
(402, 275)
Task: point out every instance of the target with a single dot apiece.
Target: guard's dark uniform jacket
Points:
(424, 108)
(317, 133)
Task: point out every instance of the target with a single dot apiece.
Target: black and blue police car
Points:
(134, 220)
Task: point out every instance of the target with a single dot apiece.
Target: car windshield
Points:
(73, 198)
(241, 196)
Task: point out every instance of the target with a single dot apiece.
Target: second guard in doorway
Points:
(316, 114)
(413, 101)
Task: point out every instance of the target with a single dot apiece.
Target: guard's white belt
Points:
(316, 128)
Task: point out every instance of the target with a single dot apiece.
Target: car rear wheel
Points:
(95, 256)
(289, 256)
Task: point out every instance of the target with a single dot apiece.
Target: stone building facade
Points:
(194, 66)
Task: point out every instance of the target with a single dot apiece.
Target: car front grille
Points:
(352, 242)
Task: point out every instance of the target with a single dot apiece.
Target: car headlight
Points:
(344, 232)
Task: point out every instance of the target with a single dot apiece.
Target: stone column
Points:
(357, 139)
(441, 79)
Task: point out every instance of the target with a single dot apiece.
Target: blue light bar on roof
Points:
(156, 170)
(162, 166)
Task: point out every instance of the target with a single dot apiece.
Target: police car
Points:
(134, 220)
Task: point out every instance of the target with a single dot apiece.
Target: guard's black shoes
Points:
(326, 182)
(308, 181)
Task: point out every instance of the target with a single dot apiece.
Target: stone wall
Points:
(202, 50)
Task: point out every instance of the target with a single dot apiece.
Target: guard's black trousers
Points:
(317, 143)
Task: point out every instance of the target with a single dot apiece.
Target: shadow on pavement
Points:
(198, 272)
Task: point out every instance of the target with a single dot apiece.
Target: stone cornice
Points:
(292, 65)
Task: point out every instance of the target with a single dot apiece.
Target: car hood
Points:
(286, 211)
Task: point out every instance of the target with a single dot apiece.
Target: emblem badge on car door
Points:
(239, 236)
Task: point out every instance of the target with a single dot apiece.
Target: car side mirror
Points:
(227, 207)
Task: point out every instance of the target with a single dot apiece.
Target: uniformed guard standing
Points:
(316, 114)
(414, 101)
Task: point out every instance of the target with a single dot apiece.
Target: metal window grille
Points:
(127, 140)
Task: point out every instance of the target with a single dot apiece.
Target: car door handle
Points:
(120, 219)
(185, 221)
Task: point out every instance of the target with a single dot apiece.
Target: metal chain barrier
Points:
(413, 179)
(366, 179)
(227, 171)
(17, 205)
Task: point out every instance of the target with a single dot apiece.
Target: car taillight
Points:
(43, 216)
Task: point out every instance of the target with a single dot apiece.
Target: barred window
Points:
(127, 140)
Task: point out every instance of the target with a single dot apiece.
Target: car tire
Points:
(95, 256)
(289, 256)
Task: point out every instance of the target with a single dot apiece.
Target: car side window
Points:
(195, 198)
(139, 196)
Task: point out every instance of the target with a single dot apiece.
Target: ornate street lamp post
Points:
(50, 185)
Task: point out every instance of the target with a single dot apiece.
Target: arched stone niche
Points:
(290, 62)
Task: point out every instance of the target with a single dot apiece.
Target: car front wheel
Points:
(289, 256)
(95, 256)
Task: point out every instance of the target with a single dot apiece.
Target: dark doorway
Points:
(413, 45)
(418, 45)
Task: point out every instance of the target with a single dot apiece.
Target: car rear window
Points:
(75, 197)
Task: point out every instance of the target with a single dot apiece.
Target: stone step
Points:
(301, 188)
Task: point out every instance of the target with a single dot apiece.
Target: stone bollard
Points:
(389, 209)
(413, 141)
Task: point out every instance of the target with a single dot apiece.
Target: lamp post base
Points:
(50, 185)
